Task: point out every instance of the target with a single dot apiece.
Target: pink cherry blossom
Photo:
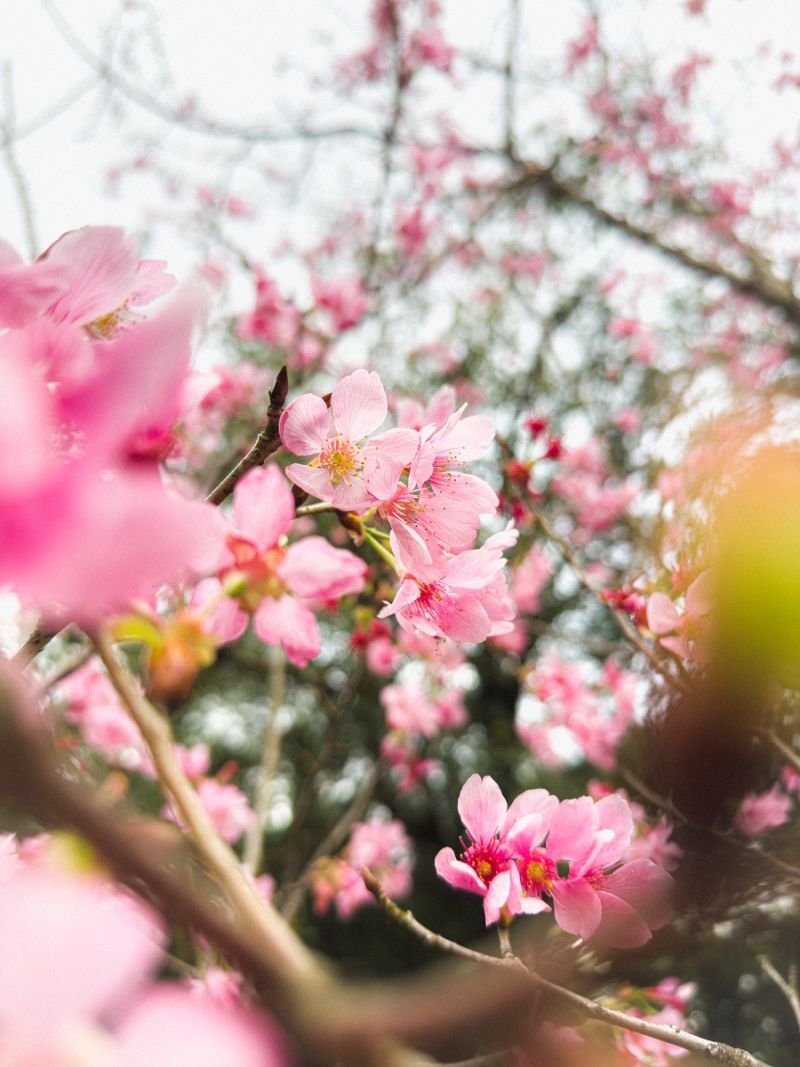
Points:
(276, 581)
(464, 597)
(759, 812)
(90, 951)
(342, 466)
(484, 866)
(274, 320)
(113, 530)
(344, 299)
(105, 277)
(683, 632)
(619, 905)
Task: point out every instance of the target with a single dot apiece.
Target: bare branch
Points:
(672, 1035)
(266, 444)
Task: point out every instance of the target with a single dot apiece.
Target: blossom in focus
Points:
(619, 905)
(464, 597)
(342, 466)
(276, 581)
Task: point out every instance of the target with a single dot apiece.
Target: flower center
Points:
(340, 458)
(486, 858)
(537, 874)
(253, 575)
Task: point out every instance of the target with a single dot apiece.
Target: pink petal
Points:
(173, 1025)
(101, 264)
(84, 946)
(577, 907)
(304, 425)
(358, 404)
(620, 926)
(614, 813)
(646, 887)
(315, 481)
(313, 568)
(700, 595)
(662, 615)
(263, 506)
(532, 802)
(482, 807)
(497, 896)
(572, 831)
(286, 621)
(27, 291)
(458, 874)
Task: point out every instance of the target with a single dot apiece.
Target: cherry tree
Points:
(415, 580)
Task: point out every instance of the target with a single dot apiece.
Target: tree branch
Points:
(672, 1035)
(266, 444)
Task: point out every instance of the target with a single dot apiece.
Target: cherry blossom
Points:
(342, 468)
(275, 581)
(759, 812)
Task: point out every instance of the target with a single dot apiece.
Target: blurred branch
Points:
(672, 1035)
(789, 989)
(254, 842)
(267, 442)
(7, 127)
(274, 935)
(333, 1021)
(762, 283)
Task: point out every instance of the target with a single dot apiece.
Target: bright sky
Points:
(228, 52)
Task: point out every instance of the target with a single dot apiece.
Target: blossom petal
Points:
(285, 621)
(304, 425)
(620, 926)
(646, 887)
(358, 404)
(662, 615)
(482, 807)
(458, 874)
(577, 907)
(314, 568)
(263, 506)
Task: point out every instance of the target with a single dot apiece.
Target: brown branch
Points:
(672, 1035)
(274, 935)
(266, 444)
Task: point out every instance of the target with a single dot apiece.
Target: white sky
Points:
(228, 52)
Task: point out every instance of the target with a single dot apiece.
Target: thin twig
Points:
(271, 753)
(221, 861)
(12, 163)
(267, 442)
(333, 840)
(789, 989)
(673, 1035)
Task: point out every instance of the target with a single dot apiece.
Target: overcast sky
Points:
(228, 52)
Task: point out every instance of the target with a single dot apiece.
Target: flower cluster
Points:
(382, 847)
(567, 716)
(570, 855)
(448, 588)
(92, 389)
